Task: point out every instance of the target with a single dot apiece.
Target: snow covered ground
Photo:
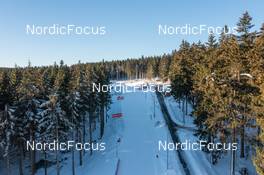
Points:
(198, 161)
(132, 139)
(132, 142)
(138, 150)
(101, 162)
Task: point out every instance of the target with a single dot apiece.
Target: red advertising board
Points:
(117, 115)
(116, 107)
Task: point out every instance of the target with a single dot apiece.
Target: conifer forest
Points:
(218, 85)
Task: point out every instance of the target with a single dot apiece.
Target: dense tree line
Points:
(224, 81)
(143, 68)
(43, 104)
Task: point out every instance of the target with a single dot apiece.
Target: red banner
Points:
(117, 115)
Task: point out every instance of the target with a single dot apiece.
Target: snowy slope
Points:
(138, 150)
(132, 139)
(101, 162)
(198, 161)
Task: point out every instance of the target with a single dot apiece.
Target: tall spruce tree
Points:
(104, 98)
(258, 72)
(5, 90)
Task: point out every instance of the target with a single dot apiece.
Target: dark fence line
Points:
(117, 167)
(173, 131)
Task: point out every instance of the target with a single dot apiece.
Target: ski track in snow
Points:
(139, 146)
(138, 138)
(137, 151)
(196, 160)
(139, 132)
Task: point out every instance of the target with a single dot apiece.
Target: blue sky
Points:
(131, 27)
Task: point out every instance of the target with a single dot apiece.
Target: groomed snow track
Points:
(172, 128)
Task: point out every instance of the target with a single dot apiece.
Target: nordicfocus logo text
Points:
(63, 30)
(188, 29)
(120, 87)
(196, 146)
(64, 146)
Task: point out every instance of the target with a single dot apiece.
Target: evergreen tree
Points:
(104, 98)
(5, 90)
(258, 72)
(244, 26)
(7, 124)
(29, 91)
(164, 67)
(54, 124)
(211, 43)
(15, 79)
(92, 99)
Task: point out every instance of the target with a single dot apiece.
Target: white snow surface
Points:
(138, 150)
(198, 161)
(139, 132)
(133, 141)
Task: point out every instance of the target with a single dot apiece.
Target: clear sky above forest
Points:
(131, 27)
